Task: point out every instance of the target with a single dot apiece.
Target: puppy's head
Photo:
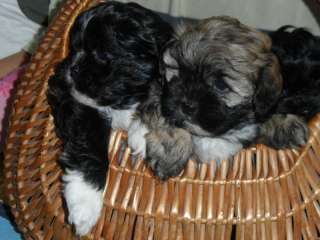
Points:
(220, 75)
(114, 51)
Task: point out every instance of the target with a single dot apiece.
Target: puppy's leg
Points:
(168, 151)
(136, 137)
(284, 131)
(86, 136)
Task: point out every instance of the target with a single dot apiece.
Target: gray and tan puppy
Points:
(222, 82)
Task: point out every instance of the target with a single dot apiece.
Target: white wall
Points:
(16, 31)
(265, 14)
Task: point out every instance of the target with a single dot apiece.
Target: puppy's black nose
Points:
(189, 109)
(75, 71)
(176, 119)
(178, 123)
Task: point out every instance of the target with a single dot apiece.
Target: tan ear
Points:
(268, 87)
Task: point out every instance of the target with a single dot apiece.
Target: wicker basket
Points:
(261, 194)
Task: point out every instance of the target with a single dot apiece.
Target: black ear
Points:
(268, 88)
(77, 30)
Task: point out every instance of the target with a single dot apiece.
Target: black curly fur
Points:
(113, 58)
(298, 52)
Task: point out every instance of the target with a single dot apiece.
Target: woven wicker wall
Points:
(260, 194)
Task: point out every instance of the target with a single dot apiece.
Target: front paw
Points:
(84, 202)
(284, 131)
(136, 138)
(168, 151)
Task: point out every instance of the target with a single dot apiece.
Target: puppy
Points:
(104, 83)
(298, 52)
(222, 83)
(224, 86)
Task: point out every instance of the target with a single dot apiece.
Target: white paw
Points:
(84, 202)
(225, 146)
(136, 138)
(218, 149)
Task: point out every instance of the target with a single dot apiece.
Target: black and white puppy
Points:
(109, 72)
(222, 81)
(298, 52)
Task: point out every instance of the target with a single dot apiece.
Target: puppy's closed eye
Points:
(218, 83)
(102, 56)
(221, 85)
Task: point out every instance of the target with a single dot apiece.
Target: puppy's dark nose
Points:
(75, 71)
(177, 118)
(177, 123)
(189, 109)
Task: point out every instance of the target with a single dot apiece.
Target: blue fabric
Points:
(7, 230)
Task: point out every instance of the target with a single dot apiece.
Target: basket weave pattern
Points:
(261, 194)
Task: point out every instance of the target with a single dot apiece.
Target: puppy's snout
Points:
(181, 114)
(176, 122)
(173, 115)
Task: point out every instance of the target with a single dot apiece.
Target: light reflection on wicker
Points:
(261, 194)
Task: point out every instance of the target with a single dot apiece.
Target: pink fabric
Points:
(6, 90)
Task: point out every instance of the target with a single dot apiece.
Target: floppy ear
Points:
(268, 88)
(77, 30)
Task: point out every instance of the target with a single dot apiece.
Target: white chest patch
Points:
(120, 118)
(224, 147)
